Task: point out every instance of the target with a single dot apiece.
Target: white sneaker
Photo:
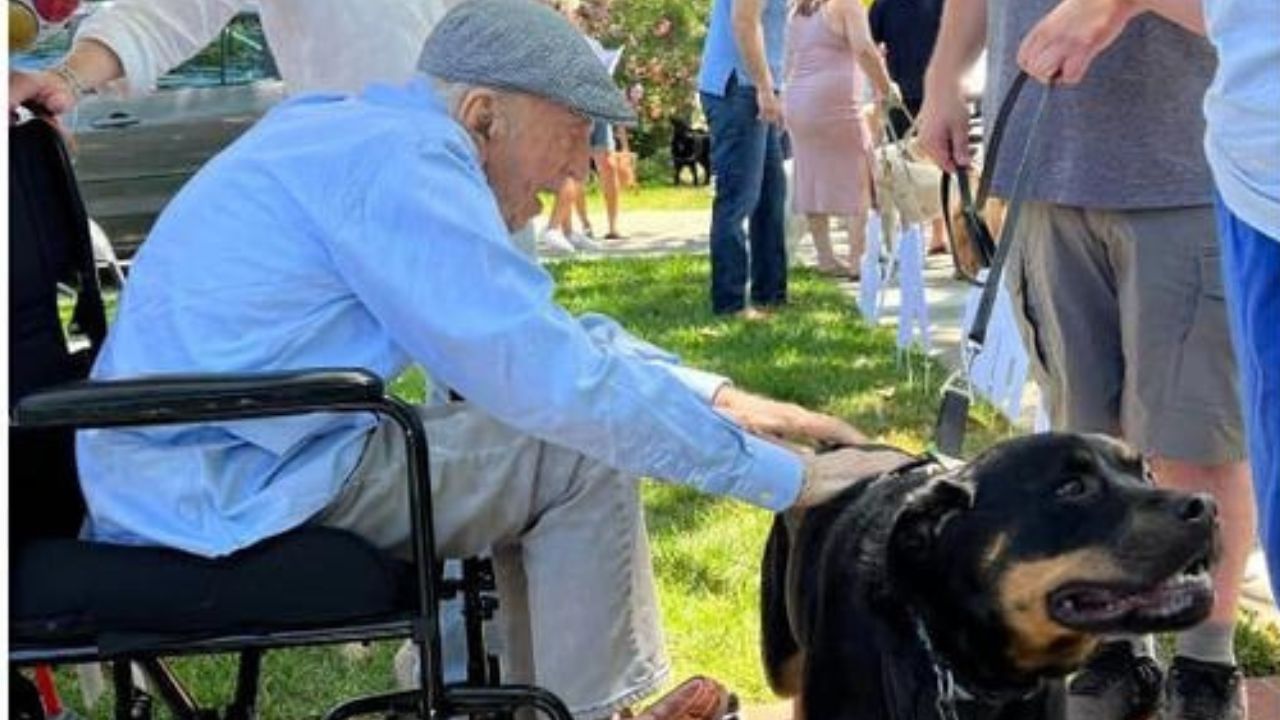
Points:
(583, 242)
(555, 243)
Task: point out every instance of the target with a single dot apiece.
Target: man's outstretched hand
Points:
(783, 421)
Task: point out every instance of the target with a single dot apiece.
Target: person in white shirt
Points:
(333, 45)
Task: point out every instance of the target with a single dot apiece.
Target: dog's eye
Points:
(1073, 488)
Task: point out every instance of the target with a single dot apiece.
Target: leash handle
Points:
(971, 205)
(953, 413)
(991, 286)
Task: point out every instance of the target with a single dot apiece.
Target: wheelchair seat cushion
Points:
(74, 590)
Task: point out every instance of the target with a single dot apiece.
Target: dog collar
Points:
(949, 692)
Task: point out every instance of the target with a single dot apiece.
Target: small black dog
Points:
(690, 149)
(995, 579)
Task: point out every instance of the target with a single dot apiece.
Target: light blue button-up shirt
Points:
(360, 231)
(720, 56)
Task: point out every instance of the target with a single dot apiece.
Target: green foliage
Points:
(662, 42)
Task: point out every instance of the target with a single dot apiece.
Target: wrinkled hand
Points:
(770, 106)
(775, 420)
(44, 92)
(1063, 44)
(943, 128)
(828, 474)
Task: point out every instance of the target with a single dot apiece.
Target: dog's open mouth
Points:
(1179, 600)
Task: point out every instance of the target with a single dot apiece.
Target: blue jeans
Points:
(1251, 270)
(746, 158)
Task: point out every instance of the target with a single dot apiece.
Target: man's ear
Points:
(480, 114)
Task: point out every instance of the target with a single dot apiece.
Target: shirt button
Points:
(765, 496)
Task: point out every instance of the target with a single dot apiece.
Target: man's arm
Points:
(134, 40)
(510, 349)
(1063, 45)
(748, 33)
(944, 119)
(759, 415)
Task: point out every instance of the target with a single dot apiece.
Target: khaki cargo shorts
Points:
(1122, 313)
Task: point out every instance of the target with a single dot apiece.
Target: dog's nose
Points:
(1199, 508)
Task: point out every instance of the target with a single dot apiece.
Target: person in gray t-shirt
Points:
(1116, 282)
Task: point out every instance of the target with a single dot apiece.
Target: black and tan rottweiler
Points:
(999, 576)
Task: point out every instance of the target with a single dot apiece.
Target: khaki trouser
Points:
(579, 613)
(1122, 313)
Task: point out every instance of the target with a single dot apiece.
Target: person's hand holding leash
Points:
(783, 421)
(943, 127)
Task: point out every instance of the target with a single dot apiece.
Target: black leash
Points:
(957, 395)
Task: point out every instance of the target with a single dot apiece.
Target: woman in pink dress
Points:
(827, 42)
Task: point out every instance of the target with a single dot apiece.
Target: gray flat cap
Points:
(524, 46)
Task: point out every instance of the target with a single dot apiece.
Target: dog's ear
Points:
(926, 512)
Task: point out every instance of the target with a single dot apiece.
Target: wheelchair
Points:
(74, 601)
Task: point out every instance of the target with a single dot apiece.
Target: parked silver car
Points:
(132, 155)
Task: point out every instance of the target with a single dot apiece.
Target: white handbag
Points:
(907, 184)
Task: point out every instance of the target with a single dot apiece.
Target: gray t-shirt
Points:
(1130, 136)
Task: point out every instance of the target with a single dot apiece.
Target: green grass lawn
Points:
(653, 196)
(706, 550)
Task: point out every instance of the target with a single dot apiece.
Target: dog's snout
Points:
(1199, 508)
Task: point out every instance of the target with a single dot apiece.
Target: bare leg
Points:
(1229, 485)
(580, 204)
(820, 229)
(857, 237)
(561, 212)
(937, 237)
(607, 168)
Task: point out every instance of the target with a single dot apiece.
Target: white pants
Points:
(571, 558)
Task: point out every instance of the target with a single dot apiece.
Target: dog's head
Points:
(1020, 561)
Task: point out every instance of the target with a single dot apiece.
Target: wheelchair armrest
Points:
(162, 399)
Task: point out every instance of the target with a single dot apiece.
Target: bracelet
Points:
(78, 88)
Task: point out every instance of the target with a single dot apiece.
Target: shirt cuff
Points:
(774, 479)
(704, 384)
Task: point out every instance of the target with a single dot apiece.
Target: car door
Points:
(132, 155)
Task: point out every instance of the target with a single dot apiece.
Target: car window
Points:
(245, 54)
(202, 70)
(238, 56)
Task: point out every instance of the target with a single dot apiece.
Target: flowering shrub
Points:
(662, 42)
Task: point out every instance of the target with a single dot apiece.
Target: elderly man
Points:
(371, 231)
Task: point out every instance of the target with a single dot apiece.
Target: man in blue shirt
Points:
(739, 82)
(372, 231)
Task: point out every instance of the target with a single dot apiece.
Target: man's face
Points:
(531, 145)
